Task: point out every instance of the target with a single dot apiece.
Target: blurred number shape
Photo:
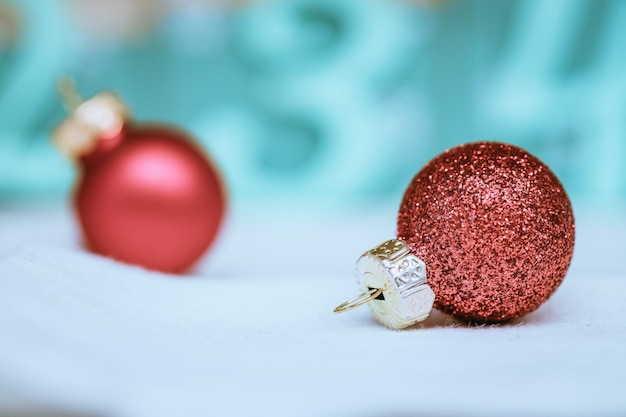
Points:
(322, 120)
(38, 53)
(571, 116)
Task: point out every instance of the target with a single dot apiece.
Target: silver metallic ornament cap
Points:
(405, 299)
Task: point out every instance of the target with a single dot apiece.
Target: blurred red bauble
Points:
(495, 228)
(147, 195)
(151, 200)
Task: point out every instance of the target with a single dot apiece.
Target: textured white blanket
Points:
(85, 333)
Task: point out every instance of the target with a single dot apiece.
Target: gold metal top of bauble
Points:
(393, 283)
(406, 299)
(88, 121)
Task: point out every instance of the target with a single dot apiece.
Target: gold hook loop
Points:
(359, 300)
(69, 93)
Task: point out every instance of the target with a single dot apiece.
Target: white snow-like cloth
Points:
(84, 333)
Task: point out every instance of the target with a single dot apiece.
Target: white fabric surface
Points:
(253, 333)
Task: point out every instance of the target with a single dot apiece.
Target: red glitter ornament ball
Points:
(147, 195)
(495, 228)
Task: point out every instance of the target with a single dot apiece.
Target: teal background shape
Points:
(334, 102)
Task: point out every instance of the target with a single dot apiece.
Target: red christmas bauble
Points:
(148, 196)
(495, 228)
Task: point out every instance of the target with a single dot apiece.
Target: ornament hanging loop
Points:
(359, 300)
(69, 93)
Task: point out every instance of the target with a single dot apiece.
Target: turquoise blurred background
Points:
(324, 102)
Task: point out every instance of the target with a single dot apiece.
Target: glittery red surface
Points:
(495, 228)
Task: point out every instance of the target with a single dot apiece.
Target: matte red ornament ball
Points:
(149, 196)
(495, 228)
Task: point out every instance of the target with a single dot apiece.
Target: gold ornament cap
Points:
(102, 116)
(393, 284)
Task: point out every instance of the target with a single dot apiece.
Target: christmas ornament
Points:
(146, 195)
(490, 227)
